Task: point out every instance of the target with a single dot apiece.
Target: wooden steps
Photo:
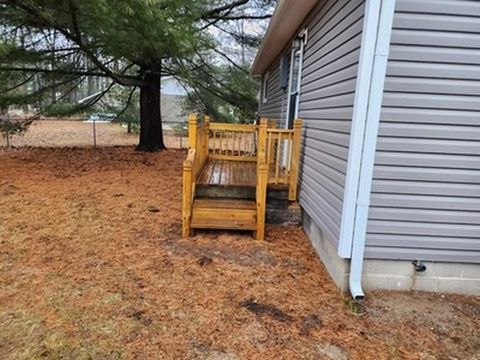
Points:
(228, 170)
(220, 191)
(228, 214)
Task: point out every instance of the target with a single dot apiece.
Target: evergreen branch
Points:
(54, 71)
(16, 86)
(225, 56)
(69, 91)
(219, 93)
(77, 109)
(77, 39)
(129, 100)
(89, 104)
(40, 91)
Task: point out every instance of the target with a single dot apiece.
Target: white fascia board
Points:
(357, 133)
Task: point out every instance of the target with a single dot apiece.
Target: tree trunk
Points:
(151, 135)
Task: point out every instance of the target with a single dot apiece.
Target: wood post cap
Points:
(298, 123)
(192, 118)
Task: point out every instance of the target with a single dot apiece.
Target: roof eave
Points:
(287, 18)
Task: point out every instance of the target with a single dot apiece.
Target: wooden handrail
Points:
(283, 156)
(235, 142)
(233, 127)
(193, 165)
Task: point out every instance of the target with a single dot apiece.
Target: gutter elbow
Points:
(356, 289)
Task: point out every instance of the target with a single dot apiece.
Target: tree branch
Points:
(227, 7)
(245, 17)
(230, 60)
(129, 100)
(77, 39)
(54, 71)
(16, 86)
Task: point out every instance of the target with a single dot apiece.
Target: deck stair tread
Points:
(228, 173)
(224, 214)
(239, 204)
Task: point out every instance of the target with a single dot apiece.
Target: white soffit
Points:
(287, 18)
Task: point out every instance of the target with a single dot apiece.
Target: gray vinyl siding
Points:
(425, 201)
(329, 71)
(275, 106)
(330, 66)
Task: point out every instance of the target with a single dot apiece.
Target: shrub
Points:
(60, 109)
(10, 126)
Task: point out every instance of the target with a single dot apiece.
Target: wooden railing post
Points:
(295, 162)
(261, 197)
(272, 124)
(192, 131)
(262, 141)
(262, 178)
(206, 125)
(187, 194)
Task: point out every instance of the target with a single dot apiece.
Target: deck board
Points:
(228, 173)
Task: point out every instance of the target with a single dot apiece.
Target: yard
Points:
(92, 265)
(68, 133)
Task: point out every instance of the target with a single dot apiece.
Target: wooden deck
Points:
(228, 169)
(228, 173)
(234, 173)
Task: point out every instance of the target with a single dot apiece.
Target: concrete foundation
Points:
(337, 267)
(440, 277)
(459, 278)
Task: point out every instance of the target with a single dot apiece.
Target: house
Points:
(389, 92)
(172, 97)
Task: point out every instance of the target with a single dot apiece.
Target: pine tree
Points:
(129, 42)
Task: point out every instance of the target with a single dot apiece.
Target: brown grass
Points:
(92, 266)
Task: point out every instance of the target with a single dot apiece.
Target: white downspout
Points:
(386, 10)
(359, 116)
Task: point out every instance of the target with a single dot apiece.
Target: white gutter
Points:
(384, 20)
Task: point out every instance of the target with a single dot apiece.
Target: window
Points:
(284, 69)
(265, 87)
(295, 79)
(295, 83)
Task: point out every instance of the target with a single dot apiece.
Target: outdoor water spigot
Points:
(419, 266)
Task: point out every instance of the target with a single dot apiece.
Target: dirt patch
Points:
(252, 256)
(310, 323)
(265, 309)
(88, 270)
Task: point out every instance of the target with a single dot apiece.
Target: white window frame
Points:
(302, 37)
(265, 87)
